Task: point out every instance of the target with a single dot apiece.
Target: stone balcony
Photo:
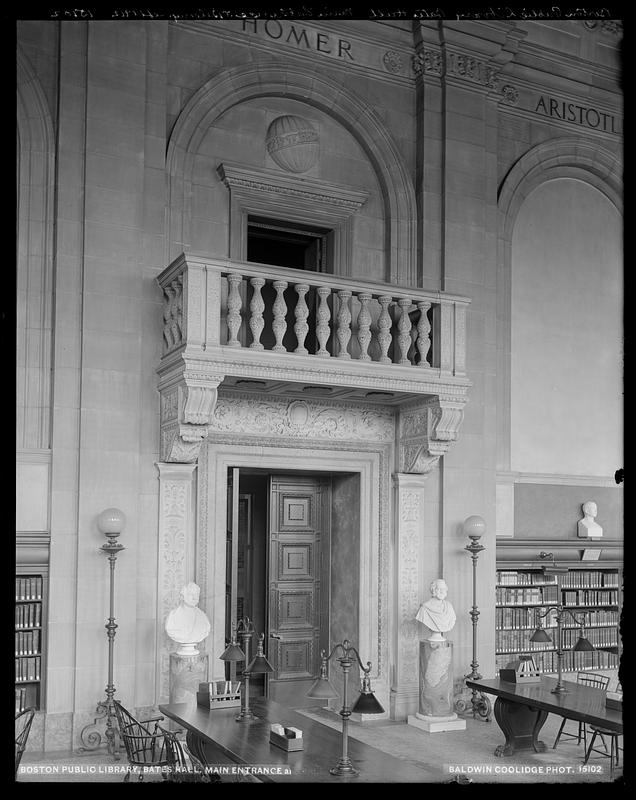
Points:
(271, 330)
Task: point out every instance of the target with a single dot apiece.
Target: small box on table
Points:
(290, 739)
(219, 694)
(521, 670)
(614, 700)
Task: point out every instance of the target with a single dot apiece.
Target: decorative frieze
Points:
(274, 416)
(459, 65)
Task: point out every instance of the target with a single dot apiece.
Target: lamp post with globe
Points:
(475, 527)
(111, 523)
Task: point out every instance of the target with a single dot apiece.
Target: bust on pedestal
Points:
(587, 527)
(436, 665)
(187, 625)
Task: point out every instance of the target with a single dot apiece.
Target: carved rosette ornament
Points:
(426, 431)
(509, 94)
(187, 409)
(392, 61)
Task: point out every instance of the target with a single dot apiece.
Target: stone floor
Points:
(462, 756)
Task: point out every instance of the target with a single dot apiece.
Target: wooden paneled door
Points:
(298, 584)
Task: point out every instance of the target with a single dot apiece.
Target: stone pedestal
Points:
(186, 673)
(436, 689)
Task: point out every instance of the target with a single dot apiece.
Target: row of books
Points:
(507, 618)
(28, 588)
(583, 578)
(20, 699)
(514, 578)
(572, 660)
(27, 643)
(28, 615)
(27, 669)
(590, 597)
(599, 637)
(534, 595)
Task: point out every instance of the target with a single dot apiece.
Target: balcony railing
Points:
(224, 308)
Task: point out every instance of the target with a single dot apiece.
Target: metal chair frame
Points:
(23, 722)
(183, 766)
(599, 682)
(614, 748)
(144, 741)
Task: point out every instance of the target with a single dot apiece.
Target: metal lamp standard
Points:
(475, 527)
(540, 635)
(323, 689)
(111, 523)
(257, 666)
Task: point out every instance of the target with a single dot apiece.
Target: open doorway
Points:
(292, 559)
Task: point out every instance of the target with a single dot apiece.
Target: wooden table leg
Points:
(520, 725)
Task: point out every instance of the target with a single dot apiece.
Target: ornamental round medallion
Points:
(392, 61)
(292, 143)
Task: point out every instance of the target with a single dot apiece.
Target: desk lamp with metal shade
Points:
(257, 666)
(323, 689)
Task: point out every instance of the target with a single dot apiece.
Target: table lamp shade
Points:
(367, 703)
(540, 636)
(232, 653)
(322, 689)
(583, 644)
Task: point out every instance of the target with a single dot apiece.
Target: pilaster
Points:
(177, 522)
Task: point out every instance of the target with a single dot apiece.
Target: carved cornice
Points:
(426, 432)
(261, 180)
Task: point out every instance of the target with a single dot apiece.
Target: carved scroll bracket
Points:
(188, 401)
(426, 431)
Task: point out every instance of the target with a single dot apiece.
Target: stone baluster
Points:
(423, 330)
(364, 325)
(343, 332)
(301, 328)
(384, 328)
(233, 309)
(279, 325)
(257, 306)
(323, 315)
(404, 329)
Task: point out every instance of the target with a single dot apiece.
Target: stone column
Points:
(436, 689)
(177, 526)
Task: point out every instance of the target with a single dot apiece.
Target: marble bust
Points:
(588, 528)
(187, 625)
(437, 613)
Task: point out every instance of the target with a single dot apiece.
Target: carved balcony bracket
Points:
(426, 431)
(188, 399)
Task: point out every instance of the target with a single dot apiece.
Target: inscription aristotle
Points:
(290, 33)
(581, 115)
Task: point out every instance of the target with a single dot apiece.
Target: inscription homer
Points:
(301, 37)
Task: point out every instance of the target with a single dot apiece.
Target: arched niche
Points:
(566, 162)
(35, 176)
(241, 84)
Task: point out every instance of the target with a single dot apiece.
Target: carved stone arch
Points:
(240, 84)
(566, 157)
(563, 157)
(35, 177)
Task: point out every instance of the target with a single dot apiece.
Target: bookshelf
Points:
(592, 594)
(30, 626)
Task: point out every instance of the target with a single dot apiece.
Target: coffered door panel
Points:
(297, 584)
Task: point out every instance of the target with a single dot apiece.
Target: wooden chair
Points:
(144, 741)
(183, 766)
(597, 730)
(23, 722)
(586, 679)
